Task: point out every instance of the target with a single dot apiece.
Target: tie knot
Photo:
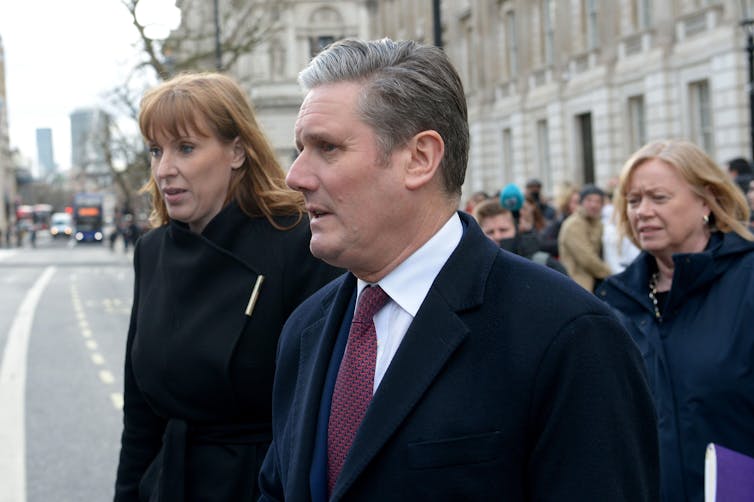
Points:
(372, 299)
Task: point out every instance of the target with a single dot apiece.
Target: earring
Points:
(706, 219)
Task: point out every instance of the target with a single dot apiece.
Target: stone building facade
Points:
(566, 90)
(561, 90)
(298, 29)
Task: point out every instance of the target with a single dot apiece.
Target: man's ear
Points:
(426, 149)
(239, 154)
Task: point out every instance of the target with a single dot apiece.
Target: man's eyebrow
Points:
(313, 137)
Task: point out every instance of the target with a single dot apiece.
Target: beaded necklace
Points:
(653, 292)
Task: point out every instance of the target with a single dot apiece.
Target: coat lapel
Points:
(317, 343)
(434, 335)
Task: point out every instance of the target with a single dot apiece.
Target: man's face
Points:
(592, 205)
(533, 191)
(499, 227)
(354, 199)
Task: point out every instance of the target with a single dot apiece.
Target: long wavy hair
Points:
(197, 101)
(730, 211)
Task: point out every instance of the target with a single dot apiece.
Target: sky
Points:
(61, 55)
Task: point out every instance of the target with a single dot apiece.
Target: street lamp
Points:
(158, 18)
(218, 45)
(747, 23)
(437, 23)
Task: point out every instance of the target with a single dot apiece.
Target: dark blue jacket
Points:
(699, 355)
(512, 383)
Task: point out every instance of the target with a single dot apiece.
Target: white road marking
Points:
(117, 400)
(106, 376)
(7, 253)
(13, 393)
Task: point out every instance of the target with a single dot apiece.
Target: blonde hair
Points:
(563, 193)
(188, 101)
(707, 180)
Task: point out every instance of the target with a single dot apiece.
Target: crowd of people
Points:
(344, 332)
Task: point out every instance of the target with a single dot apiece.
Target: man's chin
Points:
(324, 252)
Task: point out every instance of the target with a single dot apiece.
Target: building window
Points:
(637, 123)
(589, 10)
(467, 53)
(507, 155)
(585, 146)
(543, 152)
(510, 42)
(640, 14)
(318, 43)
(701, 116)
(548, 30)
(645, 14)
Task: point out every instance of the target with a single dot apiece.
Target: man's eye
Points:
(327, 147)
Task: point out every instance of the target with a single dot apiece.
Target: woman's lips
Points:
(173, 195)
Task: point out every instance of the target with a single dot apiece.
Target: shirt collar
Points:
(409, 283)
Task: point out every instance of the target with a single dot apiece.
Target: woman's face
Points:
(526, 217)
(573, 202)
(665, 215)
(193, 174)
(750, 195)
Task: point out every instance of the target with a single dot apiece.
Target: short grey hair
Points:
(408, 88)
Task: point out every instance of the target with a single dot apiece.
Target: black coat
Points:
(198, 370)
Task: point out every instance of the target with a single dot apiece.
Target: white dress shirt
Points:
(408, 285)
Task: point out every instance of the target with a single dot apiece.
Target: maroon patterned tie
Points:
(355, 381)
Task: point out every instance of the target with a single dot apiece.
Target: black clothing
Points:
(198, 370)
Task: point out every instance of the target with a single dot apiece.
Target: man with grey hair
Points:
(439, 367)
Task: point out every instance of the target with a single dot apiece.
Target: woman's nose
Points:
(163, 166)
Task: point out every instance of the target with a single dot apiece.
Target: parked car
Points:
(61, 225)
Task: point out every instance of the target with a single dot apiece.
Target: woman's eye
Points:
(187, 148)
(154, 151)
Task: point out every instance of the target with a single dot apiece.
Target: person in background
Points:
(530, 217)
(580, 240)
(497, 223)
(512, 198)
(618, 251)
(227, 262)
(462, 375)
(688, 302)
(533, 191)
(475, 199)
(566, 202)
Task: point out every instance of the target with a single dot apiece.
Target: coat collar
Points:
(692, 271)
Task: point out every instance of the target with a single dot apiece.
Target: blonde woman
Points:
(688, 302)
